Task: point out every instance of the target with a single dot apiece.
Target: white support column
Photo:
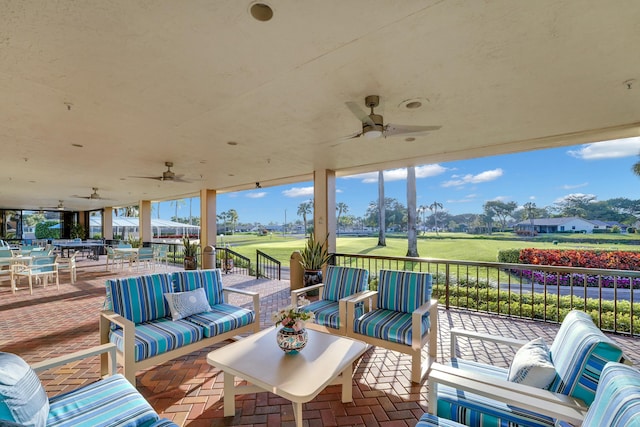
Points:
(208, 218)
(144, 228)
(107, 223)
(324, 206)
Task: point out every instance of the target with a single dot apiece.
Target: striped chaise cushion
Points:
(159, 336)
(222, 318)
(579, 352)
(392, 326)
(109, 402)
(617, 401)
(210, 280)
(139, 299)
(403, 291)
(474, 410)
(340, 282)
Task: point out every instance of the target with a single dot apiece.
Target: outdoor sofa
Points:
(155, 318)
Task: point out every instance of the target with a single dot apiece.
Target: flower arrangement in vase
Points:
(292, 337)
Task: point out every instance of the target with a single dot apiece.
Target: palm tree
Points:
(636, 168)
(422, 210)
(530, 209)
(382, 240)
(232, 216)
(434, 208)
(412, 239)
(304, 209)
(342, 208)
(177, 203)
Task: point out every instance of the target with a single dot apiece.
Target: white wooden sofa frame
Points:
(127, 358)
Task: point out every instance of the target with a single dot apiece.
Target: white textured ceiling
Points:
(138, 83)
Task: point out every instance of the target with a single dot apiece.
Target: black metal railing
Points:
(232, 262)
(538, 292)
(267, 266)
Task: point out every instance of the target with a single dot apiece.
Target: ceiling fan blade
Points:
(392, 130)
(157, 178)
(357, 111)
(178, 178)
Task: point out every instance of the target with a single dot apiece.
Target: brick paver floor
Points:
(189, 391)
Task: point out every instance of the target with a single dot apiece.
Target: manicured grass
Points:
(453, 246)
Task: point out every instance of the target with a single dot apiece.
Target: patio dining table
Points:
(68, 246)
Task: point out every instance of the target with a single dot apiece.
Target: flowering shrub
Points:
(616, 260)
(293, 317)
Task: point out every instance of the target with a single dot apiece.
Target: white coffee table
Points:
(327, 359)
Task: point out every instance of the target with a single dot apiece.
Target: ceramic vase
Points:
(292, 341)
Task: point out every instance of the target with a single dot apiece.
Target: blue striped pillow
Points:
(403, 291)
(210, 280)
(579, 352)
(340, 282)
(22, 397)
(139, 299)
(617, 401)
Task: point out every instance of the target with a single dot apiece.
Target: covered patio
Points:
(189, 391)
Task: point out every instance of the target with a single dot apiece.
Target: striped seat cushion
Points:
(428, 420)
(139, 299)
(617, 401)
(109, 402)
(159, 336)
(341, 282)
(403, 291)
(210, 280)
(474, 410)
(579, 352)
(327, 313)
(392, 326)
(222, 318)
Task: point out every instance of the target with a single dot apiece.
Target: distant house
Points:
(607, 226)
(556, 225)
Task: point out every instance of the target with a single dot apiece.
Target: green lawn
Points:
(453, 246)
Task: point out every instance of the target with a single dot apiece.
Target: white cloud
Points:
(424, 171)
(467, 199)
(485, 176)
(575, 196)
(298, 192)
(501, 198)
(259, 195)
(608, 149)
(571, 187)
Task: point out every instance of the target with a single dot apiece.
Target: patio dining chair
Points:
(162, 255)
(330, 311)
(114, 257)
(402, 317)
(69, 264)
(40, 268)
(145, 256)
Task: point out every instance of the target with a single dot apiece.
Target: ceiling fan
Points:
(167, 175)
(60, 206)
(373, 124)
(92, 196)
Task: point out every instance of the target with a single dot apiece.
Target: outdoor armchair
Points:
(402, 317)
(69, 264)
(330, 311)
(111, 401)
(565, 376)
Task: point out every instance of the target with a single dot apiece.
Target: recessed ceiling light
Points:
(261, 12)
(232, 143)
(410, 139)
(413, 104)
(77, 145)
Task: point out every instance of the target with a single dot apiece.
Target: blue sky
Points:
(544, 177)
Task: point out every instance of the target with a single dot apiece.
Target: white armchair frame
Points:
(418, 369)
